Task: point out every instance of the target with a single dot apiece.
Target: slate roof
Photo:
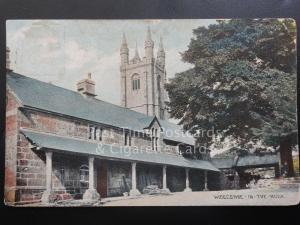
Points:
(255, 160)
(64, 144)
(37, 94)
(245, 161)
(223, 163)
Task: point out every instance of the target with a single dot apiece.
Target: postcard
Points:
(193, 112)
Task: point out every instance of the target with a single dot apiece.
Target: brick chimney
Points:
(7, 59)
(86, 87)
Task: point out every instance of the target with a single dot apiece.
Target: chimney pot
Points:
(86, 87)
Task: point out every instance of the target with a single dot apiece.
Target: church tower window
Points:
(136, 84)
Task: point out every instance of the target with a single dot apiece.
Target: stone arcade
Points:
(63, 144)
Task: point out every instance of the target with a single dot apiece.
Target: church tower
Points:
(143, 80)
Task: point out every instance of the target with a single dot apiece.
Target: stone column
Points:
(187, 181)
(205, 181)
(134, 190)
(165, 188)
(91, 193)
(46, 197)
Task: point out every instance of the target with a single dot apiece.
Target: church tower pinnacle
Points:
(124, 51)
(161, 55)
(136, 57)
(149, 45)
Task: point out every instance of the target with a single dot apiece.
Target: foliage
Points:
(243, 84)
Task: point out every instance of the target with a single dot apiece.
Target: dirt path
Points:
(282, 196)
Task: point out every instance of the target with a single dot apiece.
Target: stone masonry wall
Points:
(148, 175)
(31, 178)
(119, 178)
(31, 174)
(45, 122)
(66, 176)
(11, 130)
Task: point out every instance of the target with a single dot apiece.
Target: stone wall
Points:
(31, 179)
(148, 175)
(46, 122)
(119, 178)
(66, 176)
(31, 174)
(11, 131)
(171, 149)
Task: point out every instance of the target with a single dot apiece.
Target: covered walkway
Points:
(52, 144)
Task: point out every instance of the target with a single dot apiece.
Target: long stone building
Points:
(63, 144)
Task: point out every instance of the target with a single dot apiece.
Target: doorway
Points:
(102, 180)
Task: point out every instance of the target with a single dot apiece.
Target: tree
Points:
(243, 84)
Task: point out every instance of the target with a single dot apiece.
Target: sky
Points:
(64, 51)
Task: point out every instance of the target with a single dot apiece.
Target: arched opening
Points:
(135, 82)
(84, 176)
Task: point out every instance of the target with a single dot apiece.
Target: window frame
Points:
(84, 168)
(135, 82)
(95, 132)
(127, 138)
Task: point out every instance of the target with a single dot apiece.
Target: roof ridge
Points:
(50, 84)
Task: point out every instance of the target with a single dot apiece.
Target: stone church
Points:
(63, 144)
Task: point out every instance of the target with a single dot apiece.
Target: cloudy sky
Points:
(64, 51)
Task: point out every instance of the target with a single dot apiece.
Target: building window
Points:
(95, 133)
(91, 132)
(84, 175)
(154, 139)
(127, 139)
(99, 132)
(135, 82)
